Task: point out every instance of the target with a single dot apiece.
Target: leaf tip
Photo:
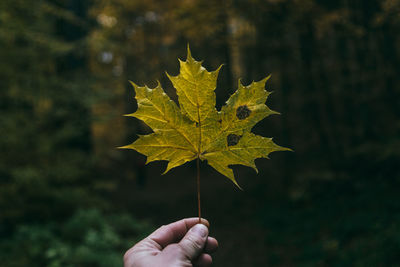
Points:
(263, 81)
(273, 112)
(133, 84)
(124, 147)
(189, 54)
(170, 77)
(287, 149)
(255, 168)
(232, 178)
(240, 84)
(237, 185)
(129, 115)
(219, 68)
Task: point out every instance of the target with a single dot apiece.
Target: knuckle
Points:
(196, 243)
(176, 248)
(126, 255)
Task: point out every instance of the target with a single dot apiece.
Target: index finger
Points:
(173, 232)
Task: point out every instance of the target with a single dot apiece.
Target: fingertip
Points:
(200, 229)
(193, 243)
(211, 245)
(203, 260)
(205, 222)
(190, 222)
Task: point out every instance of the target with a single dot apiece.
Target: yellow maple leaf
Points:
(196, 130)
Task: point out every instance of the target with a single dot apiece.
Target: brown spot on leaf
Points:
(233, 139)
(243, 112)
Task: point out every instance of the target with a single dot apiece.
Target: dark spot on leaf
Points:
(233, 139)
(242, 112)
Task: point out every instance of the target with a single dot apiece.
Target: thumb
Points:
(193, 242)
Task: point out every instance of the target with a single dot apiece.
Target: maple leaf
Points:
(196, 129)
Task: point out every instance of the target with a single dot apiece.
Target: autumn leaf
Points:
(195, 129)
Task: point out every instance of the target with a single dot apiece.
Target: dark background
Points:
(68, 197)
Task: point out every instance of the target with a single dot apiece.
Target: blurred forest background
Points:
(68, 197)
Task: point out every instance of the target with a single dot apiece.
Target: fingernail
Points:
(200, 229)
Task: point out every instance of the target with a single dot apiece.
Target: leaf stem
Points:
(198, 188)
(198, 163)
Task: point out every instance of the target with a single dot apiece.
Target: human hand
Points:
(184, 243)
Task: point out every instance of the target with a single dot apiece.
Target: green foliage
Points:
(45, 120)
(88, 238)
